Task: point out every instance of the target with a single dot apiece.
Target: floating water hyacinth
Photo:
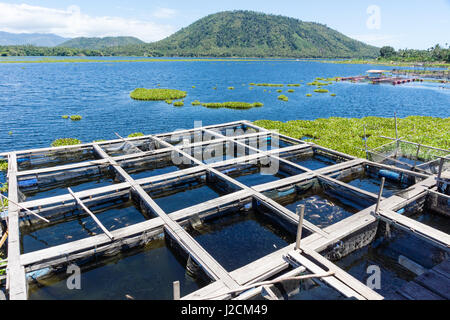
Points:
(157, 94)
(196, 103)
(178, 104)
(418, 129)
(65, 142)
(76, 117)
(3, 165)
(135, 134)
(65, 117)
(232, 105)
(291, 90)
(321, 90)
(283, 98)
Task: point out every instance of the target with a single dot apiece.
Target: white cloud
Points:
(377, 39)
(71, 22)
(164, 13)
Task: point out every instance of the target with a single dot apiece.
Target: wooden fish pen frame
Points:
(225, 284)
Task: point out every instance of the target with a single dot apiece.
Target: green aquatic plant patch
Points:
(294, 85)
(283, 98)
(321, 90)
(178, 103)
(269, 85)
(65, 117)
(76, 117)
(4, 187)
(157, 94)
(318, 83)
(346, 134)
(291, 90)
(135, 134)
(65, 142)
(3, 165)
(196, 103)
(232, 105)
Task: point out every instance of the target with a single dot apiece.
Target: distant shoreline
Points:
(91, 59)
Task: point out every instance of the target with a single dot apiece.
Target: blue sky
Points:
(399, 23)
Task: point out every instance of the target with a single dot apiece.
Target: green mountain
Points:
(100, 43)
(37, 39)
(252, 34)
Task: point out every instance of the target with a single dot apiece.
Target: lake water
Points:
(34, 96)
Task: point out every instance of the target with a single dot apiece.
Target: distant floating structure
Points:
(379, 76)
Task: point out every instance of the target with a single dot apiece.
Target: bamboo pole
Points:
(176, 290)
(365, 143)
(301, 213)
(23, 208)
(417, 156)
(4, 237)
(91, 214)
(380, 194)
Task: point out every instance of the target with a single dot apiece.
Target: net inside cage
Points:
(411, 156)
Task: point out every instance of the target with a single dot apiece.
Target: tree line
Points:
(433, 54)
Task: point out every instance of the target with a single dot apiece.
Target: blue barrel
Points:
(390, 175)
(27, 183)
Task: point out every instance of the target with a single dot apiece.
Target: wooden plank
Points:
(436, 283)
(414, 291)
(66, 167)
(15, 271)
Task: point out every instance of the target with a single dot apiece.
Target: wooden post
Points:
(176, 290)
(380, 194)
(91, 214)
(441, 166)
(301, 213)
(365, 142)
(417, 156)
(396, 133)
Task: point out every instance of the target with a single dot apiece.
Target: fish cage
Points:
(411, 156)
(226, 211)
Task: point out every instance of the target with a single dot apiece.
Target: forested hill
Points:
(250, 34)
(100, 43)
